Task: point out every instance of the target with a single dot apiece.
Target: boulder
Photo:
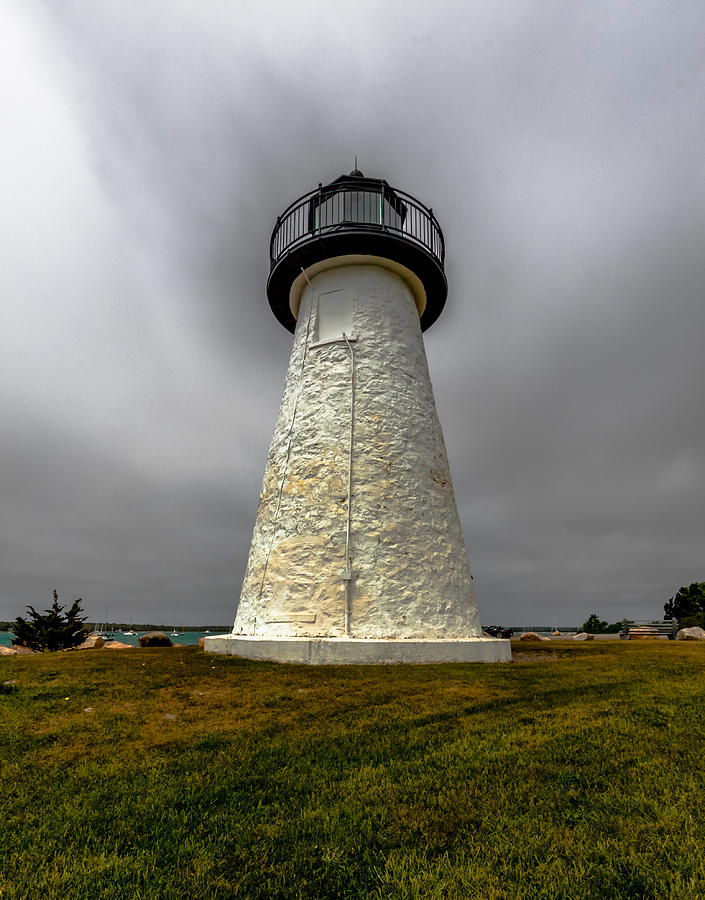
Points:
(533, 636)
(155, 639)
(92, 643)
(23, 651)
(644, 633)
(8, 651)
(691, 634)
(201, 643)
(583, 636)
(117, 645)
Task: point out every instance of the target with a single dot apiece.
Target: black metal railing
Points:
(355, 206)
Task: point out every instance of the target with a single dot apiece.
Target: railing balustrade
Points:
(350, 206)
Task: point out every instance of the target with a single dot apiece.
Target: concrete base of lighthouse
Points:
(349, 651)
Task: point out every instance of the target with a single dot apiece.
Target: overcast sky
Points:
(147, 149)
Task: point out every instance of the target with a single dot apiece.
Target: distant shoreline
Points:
(188, 637)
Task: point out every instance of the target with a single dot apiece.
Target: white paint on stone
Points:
(412, 281)
(410, 578)
(342, 651)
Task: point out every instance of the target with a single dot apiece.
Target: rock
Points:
(533, 636)
(644, 633)
(691, 634)
(92, 643)
(8, 651)
(155, 639)
(117, 645)
(23, 651)
(201, 643)
(583, 636)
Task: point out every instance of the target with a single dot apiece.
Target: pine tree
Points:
(52, 630)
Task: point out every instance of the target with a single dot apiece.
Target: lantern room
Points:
(360, 220)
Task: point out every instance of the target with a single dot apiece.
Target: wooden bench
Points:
(644, 628)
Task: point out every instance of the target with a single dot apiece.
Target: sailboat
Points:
(102, 632)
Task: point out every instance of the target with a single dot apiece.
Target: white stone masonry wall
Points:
(410, 574)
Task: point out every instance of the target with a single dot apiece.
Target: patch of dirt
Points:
(519, 657)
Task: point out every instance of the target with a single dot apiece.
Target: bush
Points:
(52, 630)
(692, 622)
(595, 625)
(689, 601)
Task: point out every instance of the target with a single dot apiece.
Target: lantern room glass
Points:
(359, 207)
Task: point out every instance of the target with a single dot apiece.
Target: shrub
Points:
(692, 622)
(52, 630)
(595, 625)
(689, 601)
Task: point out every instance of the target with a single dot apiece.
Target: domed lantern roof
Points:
(356, 219)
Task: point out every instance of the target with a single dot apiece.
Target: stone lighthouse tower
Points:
(357, 553)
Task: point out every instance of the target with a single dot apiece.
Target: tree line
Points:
(687, 606)
(60, 629)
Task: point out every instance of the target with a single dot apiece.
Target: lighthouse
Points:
(357, 552)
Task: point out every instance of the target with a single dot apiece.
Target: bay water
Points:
(187, 638)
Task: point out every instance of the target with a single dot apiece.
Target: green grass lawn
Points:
(578, 771)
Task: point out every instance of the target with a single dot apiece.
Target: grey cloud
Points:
(560, 147)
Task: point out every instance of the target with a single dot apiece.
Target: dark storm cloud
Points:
(150, 153)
